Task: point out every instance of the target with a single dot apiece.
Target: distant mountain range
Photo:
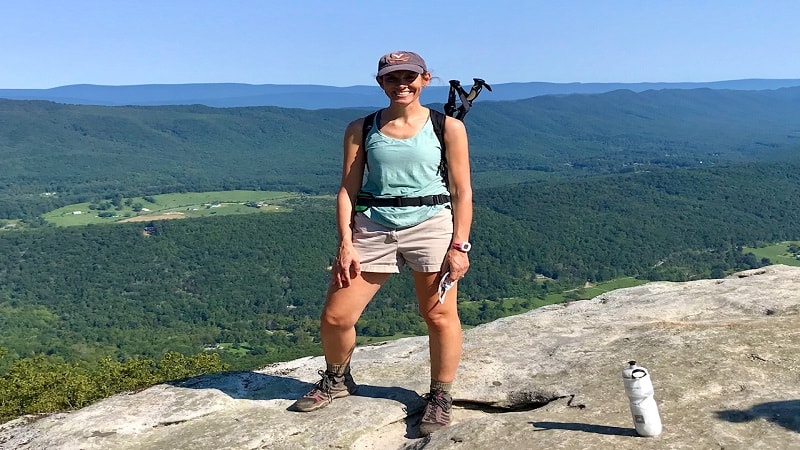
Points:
(323, 97)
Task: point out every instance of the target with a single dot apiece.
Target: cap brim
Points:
(396, 67)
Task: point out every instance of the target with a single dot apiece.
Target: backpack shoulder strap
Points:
(369, 120)
(437, 120)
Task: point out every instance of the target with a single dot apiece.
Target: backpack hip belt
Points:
(366, 201)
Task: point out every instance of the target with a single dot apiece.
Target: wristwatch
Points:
(462, 246)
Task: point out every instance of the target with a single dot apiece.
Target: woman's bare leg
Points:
(444, 325)
(343, 307)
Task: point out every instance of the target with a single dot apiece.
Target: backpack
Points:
(451, 108)
(437, 120)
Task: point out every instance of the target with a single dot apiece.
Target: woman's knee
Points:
(439, 320)
(331, 319)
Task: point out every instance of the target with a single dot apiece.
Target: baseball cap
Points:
(401, 60)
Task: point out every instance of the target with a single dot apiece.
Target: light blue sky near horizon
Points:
(50, 43)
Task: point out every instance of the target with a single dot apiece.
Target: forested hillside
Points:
(626, 131)
(259, 280)
(665, 224)
(82, 153)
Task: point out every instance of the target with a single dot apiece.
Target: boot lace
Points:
(436, 403)
(325, 384)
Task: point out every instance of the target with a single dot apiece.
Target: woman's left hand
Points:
(457, 263)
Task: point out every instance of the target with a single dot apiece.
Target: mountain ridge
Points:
(308, 96)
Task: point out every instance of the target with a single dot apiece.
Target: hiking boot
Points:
(437, 412)
(328, 388)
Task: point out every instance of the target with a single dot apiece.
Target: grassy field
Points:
(172, 206)
(778, 253)
(600, 288)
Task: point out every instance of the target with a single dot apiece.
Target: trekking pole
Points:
(465, 98)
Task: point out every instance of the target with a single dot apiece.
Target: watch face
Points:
(463, 246)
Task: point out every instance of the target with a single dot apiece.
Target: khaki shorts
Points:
(386, 250)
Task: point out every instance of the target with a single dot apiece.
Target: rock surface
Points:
(723, 355)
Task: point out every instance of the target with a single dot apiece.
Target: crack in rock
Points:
(518, 401)
(170, 423)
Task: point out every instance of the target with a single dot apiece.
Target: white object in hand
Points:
(445, 286)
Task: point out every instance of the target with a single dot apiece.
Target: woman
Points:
(401, 156)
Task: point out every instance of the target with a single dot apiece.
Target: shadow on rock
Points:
(259, 386)
(784, 413)
(585, 427)
(248, 385)
(412, 402)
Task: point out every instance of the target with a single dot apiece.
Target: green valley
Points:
(574, 195)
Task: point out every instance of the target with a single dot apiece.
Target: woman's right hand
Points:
(346, 266)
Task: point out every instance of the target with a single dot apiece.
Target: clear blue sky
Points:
(49, 43)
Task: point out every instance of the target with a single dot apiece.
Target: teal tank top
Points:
(403, 168)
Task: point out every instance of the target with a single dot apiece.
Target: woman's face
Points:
(403, 86)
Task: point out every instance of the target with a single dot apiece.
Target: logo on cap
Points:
(398, 57)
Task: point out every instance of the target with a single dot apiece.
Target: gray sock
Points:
(338, 369)
(344, 368)
(441, 386)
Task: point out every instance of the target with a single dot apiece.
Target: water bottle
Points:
(644, 409)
